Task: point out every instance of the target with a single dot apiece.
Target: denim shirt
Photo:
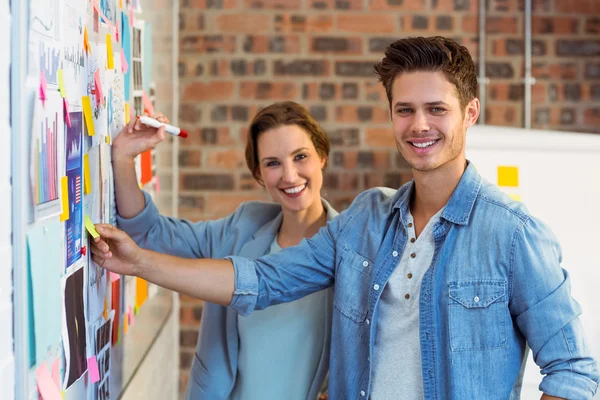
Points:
(495, 284)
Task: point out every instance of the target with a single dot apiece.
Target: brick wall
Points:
(237, 56)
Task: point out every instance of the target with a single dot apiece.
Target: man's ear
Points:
(472, 111)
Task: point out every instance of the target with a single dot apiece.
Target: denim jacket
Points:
(248, 232)
(495, 284)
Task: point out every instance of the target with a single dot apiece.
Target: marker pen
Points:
(173, 130)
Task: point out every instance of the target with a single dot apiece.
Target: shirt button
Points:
(410, 224)
(407, 296)
(476, 299)
(362, 393)
(413, 255)
(375, 287)
(395, 253)
(412, 240)
(367, 321)
(409, 275)
(365, 263)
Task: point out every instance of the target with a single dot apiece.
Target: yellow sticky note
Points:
(61, 84)
(508, 176)
(107, 139)
(515, 197)
(87, 179)
(120, 4)
(87, 113)
(109, 53)
(64, 185)
(89, 225)
(86, 41)
(105, 313)
(127, 116)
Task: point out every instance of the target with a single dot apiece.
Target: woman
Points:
(280, 352)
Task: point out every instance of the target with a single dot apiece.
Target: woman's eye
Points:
(300, 157)
(272, 163)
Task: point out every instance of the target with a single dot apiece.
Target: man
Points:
(439, 285)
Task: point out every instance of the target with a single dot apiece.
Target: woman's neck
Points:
(301, 224)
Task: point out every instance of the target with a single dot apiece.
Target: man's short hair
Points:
(430, 54)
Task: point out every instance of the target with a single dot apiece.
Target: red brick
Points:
(591, 116)
(274, 4)
(228, 159)
(243, 23)
(538, 92)
(374, 91)
(350, 114)
(367, 23)
(554, 25)
(303, 23)
(207, 43)
(493, 25)
(342, 181)
(504, 115)
(336, 45)
(200, 91)
(380, 137)
(554, 70)
(406, 5)
(340, 5)
(453, 6)
(268, 90)
(590, 7)
(267, 44)
(192, 4)
(219, 205)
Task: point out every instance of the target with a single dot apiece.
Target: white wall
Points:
(7, 362)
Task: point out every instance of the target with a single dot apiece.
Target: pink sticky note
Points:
(131, 15)
(130, 314)
(43, 88)
(67, 116)
(45, 384)
(98, 83)
(56, 372)
(117, 32)
(147, 103)
(114, 277)
(93, 369)
(157, 184)
(124, 64)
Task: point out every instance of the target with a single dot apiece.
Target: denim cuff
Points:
(569, 385)
(245, 293)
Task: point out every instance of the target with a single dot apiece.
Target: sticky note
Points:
(146, 167)
(107, 139)
(98, 84)
(120, 4)
(43, 87)
(105, 312)
(109, 53)
(117, 33)
(67, 116)
(131, 15)
(89, 225)
(45, 384)
(515, 197)
(87, 113)
(61, 83)
(141, 291)
(64, 185)
(147, 103)
(87, 178)
(508, 176)
(86, 41)
(157, 184)
(124, 64)
(127, 115)
(93, 369)
(125, 323)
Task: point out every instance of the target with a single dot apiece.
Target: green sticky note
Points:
(89, 225)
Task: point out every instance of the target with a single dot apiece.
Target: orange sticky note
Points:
(87, 179)
(508, 176)
(64, 185)
(127, 115)
(141, 292)
(146, 164)
(86, 41)
(67, 115)
(105, 312)
(125, 323)
(121, 4)
(45, 384)
(109, 53)
(87, 113)
(61, 83)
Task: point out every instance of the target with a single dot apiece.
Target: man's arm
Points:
(548, 316)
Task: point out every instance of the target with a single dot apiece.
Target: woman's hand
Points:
(115, 251)
(135, 138)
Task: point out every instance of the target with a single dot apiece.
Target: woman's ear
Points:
(323, 162)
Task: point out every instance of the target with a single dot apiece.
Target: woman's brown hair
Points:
(275, 116)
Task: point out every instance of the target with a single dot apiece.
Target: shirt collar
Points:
(459, 206)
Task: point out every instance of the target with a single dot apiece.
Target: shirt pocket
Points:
(477, 315)
(351, 294)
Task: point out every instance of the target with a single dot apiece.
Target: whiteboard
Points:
(559, 182)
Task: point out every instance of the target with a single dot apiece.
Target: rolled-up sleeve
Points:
(287, 275)
(548, 316)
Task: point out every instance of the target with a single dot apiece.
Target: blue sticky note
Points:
(45, 244)
(126, 45)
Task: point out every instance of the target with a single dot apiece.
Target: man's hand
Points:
(115, 250)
